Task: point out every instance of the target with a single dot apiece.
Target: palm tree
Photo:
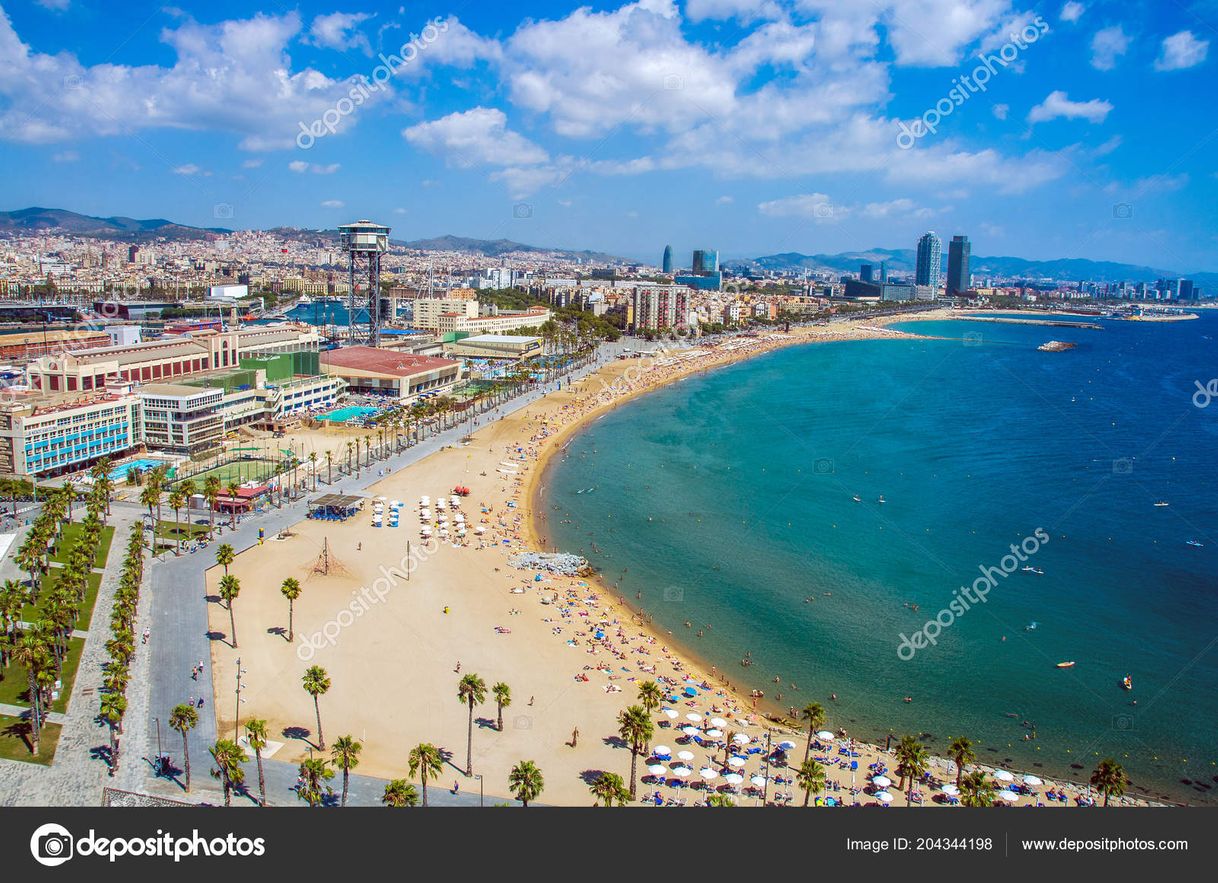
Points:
(1109, 779)
(425, 761)
(329, 468)
(233, 489)
(211, 493)
(228, 757)
(113, 707)
(976, 790)
(609, 789)
(230, 588)
(471, 691)
(313, 468)
(503, 698)
(225, 556)
(719, 799)
(291, 591)
(350, 445)
(400, 793)
(177, 499)
(636, 729)
(811, 777)
(814, 714)
(913, 759)
(314, 772)
(345, 754)
(526, 782)
(184, 718)
(316, 683)
(31, 654)
(961, 751)
(650, 696)
(255, 737)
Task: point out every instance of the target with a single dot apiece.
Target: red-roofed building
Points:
(372, 371)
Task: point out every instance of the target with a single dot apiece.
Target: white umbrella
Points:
(1003, 776)
(708, 774)
(671, 713)
(736, 762)
(759, 780)
(718, 722)
(714, 734)
(681, 772)
(824, 734)
(685, 755)
(694, 716)
(881, 781)
(883, 797)
(786, 745)
(661, 751)
(741, 739)
(950, 790)
(1032, 780)
(690, 731)
(1008, 796)
(734, 779)
(657, 769)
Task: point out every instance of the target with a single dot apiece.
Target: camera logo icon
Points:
(1122, 466)
(523, 722)
(1122, 211)
(823, 466)
(1122, 722)
(51, 845)
(674, 593)
(973, 338)
(522, 210)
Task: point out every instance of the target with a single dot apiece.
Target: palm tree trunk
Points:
(261, 778)
(423, 782)
(634, 759)
(500, 725)
(469, 743)
(232, 624)
(186, 759)
(228, 798)
(321, 739)
(291, 633)
(346, 781)
(35, 713)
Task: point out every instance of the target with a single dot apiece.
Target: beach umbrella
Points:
(671, 713)
(690, 731)
(708, 774)
(681, 772)
(786, 745)
(690, 692)
(685, 755)
(883, 797)
(824, 734)
(734, 779)
(759, 780)
(662, 751)
(714, 734)
(950, 790)
(657, 769)
(1008, 796)
(718, 722)
(736, 762)
(694, 716)
(1032, 780)
(881, 781)
(741, 739)
(1003, 776)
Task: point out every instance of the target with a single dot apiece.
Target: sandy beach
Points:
(395, 647)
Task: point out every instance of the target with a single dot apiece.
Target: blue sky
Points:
(1058, 129)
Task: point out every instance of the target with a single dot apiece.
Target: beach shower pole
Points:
(237, 704)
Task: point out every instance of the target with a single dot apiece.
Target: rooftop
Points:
(367, 358)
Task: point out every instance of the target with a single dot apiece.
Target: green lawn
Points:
(239, 471)
(32, 613)
(14, 745)
(71, 534)
(171, 530)
(14, 684)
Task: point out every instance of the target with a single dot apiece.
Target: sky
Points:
(1079, 129)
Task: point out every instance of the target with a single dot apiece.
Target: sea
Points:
(723, 507)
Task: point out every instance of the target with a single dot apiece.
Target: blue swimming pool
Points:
(118, 475)
(353, 412)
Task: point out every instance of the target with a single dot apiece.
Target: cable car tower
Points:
(364, 243)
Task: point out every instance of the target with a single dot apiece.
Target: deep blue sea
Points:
(726, 500)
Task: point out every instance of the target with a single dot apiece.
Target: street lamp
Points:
(481, 793)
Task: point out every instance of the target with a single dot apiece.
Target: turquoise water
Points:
(119, 474)
(342, 415)
(726, 500)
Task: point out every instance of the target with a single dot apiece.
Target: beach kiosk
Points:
(335, 507)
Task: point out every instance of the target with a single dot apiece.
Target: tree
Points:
(426, 763)
(471, 691)
(814, 714)
(211, 493)
(400, 793)
(976, 790)
(345, 754)
(31, 654)
(650, 696)
(1109, 779)
(503, 698)
(636, 729)
(177, 499)
(314, 773)
(961, 751)
(329, 468)
(184, 718)
(610, 790)
(150, 496)
(225, 556)
(291, 591)
(233, 489)
(316, 682)
(811, 777)
(911, 762)
(526, 782)
(113, 707)
(313, 468)
(230, 588)
(228, 757)
(255, 737)
(718, 799)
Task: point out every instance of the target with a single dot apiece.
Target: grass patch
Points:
(14, 741)
(239, 471)
(34, 612)
(173, 530)
(71, 536)
(14, 682)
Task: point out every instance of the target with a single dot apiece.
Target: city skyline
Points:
(491, 126)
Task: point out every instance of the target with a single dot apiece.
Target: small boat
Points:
(1194, 543)
(1035, 570)
(1069, 664)
(1127, 683)
(857, 498)
(1159, 504)
(881, 499)
(1031, 627)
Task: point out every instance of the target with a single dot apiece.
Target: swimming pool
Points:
(118, 475)
(353, 412)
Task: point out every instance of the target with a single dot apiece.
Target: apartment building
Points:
(48, 436)
(503, 323)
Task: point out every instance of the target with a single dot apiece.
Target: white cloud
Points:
(340, 31)
(724, 200)
(1181, 51)
(251, 164)
(1107, 46)
(1058, 105)
(300, 166)
(188, 170)
(820, 208)
(742, 10)
(1072, 11)
(806, 205)
(56, 5)
(1000, 111)
(333, 203)
(475, 137)
(66, 156)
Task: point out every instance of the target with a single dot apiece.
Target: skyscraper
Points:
(959, 279)
(930, 260)
(866, 273)
(706, 261)
(667, 265)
